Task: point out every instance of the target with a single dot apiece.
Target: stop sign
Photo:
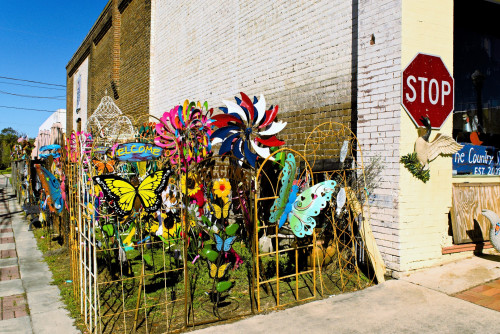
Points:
(427, 90)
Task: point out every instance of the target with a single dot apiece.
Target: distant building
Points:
(51, 131)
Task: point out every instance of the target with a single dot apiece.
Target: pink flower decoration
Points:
(184, 133)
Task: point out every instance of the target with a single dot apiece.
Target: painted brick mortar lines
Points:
(256, 47)
(379, 68)
(100, 71)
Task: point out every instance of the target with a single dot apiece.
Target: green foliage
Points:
(6, 171)
(416, 169)
(8, 137)
(268, 265)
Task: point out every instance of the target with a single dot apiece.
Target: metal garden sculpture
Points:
(184, 133)
(299, 208)
(128, 206)
(494, 227)
(244, 125)
(52, 188)
(123, 196)
(418, 162)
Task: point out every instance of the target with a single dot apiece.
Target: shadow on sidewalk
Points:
(491, 257)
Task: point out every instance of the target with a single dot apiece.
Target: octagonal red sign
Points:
(427, 89)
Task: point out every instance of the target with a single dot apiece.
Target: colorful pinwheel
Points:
(184, 132)
(246, 124)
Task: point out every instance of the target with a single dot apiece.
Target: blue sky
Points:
(37, 40)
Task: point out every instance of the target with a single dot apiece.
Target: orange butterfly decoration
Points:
(104, 166)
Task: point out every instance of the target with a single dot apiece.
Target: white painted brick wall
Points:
(297, 53)
(379, 114)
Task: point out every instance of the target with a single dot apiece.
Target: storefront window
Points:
(476, 119)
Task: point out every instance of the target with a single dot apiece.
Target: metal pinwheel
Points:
(244, 125)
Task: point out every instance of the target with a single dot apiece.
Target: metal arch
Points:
(256, 251)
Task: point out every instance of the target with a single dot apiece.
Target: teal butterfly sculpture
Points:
(299, 209)
(224, 244)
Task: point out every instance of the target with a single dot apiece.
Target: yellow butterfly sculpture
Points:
(121, 194)
(222, 212)
(218, 272)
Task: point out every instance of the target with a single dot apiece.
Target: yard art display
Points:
(244, 125)
(299, 209)
(418, 162)
(22, 150)
(165, 235)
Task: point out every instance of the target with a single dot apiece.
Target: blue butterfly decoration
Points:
(299, 209)
(225, 245)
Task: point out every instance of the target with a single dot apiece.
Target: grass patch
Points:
(6, 171)
(118, 284)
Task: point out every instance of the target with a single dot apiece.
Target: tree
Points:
(8, 138)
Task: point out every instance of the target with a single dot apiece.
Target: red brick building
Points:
(113, 59)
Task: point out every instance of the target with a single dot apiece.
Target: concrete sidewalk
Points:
(29, 304)
(421, 302)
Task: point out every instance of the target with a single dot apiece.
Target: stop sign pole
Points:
(427, 89)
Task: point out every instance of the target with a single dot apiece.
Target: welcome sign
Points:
(477, 160)
(137, 152)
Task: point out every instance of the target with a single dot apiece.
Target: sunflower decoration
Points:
(194, 184)
(247, 129)
(166, 227)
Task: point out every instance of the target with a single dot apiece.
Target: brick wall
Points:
(300, 55)
(118, 48)
(296, 53)
(69, 105)
(100, 70)
(379, 112)
(134, 60)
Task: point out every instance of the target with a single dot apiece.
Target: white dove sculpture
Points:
(442, 144)
(495, 227)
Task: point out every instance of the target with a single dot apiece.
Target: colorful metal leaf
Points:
(231, 229)
(209, 254)
(224, 286)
